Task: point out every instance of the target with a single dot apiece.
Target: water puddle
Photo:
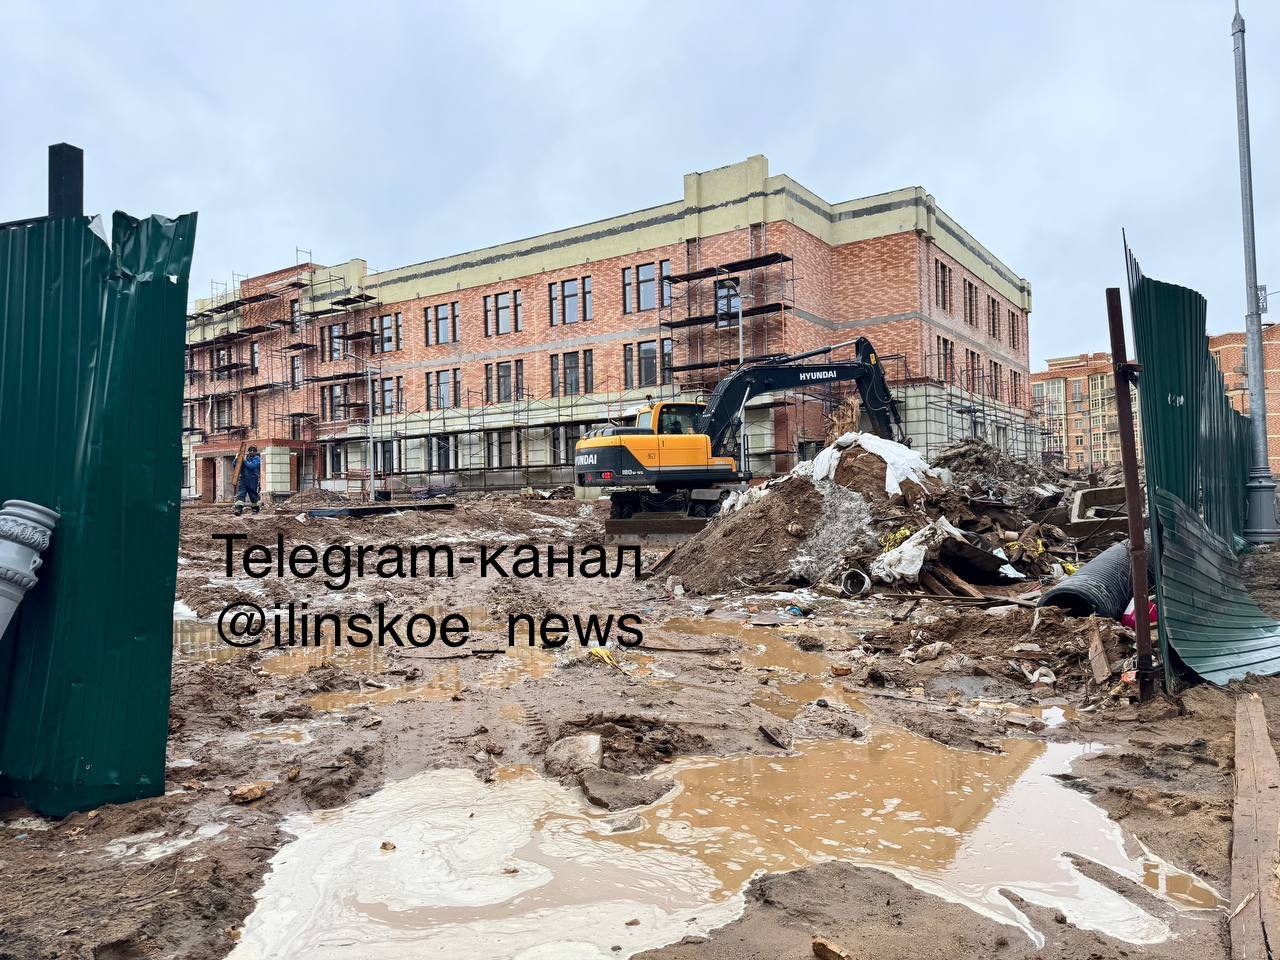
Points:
(146, 847)
(507, 667)
(523, 869)
(796, 677)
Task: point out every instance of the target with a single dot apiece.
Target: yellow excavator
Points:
(676, 456)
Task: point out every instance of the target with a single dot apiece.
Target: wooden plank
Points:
(1098, 657)
(956, 583)
(930, 583)
(1255, 835)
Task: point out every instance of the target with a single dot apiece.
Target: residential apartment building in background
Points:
(484, 368)
(1075, 401)
(1232, 354)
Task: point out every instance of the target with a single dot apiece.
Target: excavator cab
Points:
(660, 447)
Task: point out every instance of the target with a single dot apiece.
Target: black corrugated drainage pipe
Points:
(1103, 586)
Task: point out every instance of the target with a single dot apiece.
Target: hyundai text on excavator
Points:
(675, 457)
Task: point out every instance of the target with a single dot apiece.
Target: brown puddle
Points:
(522, 868)
(797, 677)
(508, 666)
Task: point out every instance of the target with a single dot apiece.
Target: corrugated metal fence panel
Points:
(1196, 448)
(1212, 622)
(90, 414)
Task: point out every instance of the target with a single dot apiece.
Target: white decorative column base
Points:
(25, 529)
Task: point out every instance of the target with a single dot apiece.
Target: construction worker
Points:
(247, 485)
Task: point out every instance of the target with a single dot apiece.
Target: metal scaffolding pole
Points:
(1260, 525)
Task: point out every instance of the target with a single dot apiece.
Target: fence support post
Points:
(1124, 373)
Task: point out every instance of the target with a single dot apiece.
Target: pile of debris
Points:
(973, 524)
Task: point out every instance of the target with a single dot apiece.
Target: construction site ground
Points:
(825, 785)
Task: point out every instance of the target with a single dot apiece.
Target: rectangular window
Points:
(942, 286)
(996, 375)
(563, 440)
(333, 402)
(504, 382)
(388, 330)
(1015, 387)
(664, 271)
(295, 314)
(647, 284)
(391, 394)
(993, 317)
(668, 359)
(222, 414)
(386, 455)
(253, 410)
(647, 363)
(519, 300)
(502, 307)
(502, 449)
(572, 383)
(628, 368)
(586, 298)
(946, 359)
(587, 374)
(519, 393)
(221, 358)
(254, 355)
(295, 372)
(970, 304)
(628, 291)
(971, 370)
(555, 375)
(553, 303)
(569, 295)
(1015, 339)
(488, 316)
(332, 346)
(442, 452)
(446, 390)
(728, 302)
(488, 383)
(442, 324)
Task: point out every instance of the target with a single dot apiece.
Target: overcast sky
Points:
(399, 132)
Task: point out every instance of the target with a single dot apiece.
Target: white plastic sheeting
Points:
(901, 462)
(904, 561)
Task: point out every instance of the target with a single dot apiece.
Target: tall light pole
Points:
(1260, 523)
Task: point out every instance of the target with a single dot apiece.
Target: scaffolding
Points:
(947, 402)
(724, 315)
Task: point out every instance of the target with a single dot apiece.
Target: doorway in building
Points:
(228, 477)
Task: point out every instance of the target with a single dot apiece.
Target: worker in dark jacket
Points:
(247, 485)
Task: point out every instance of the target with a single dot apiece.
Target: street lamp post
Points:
(1260, 523)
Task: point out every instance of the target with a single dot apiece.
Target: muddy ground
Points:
(175, 876)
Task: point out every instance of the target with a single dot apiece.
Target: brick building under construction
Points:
(482, 370)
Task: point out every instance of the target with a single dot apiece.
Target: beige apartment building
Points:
(1075, 403)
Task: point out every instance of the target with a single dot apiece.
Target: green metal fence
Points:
(1196, 449)
(91, 367)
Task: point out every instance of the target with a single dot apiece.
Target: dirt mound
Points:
(863, 471)
(753, 545)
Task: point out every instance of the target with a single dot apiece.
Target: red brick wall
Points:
(839, 294)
